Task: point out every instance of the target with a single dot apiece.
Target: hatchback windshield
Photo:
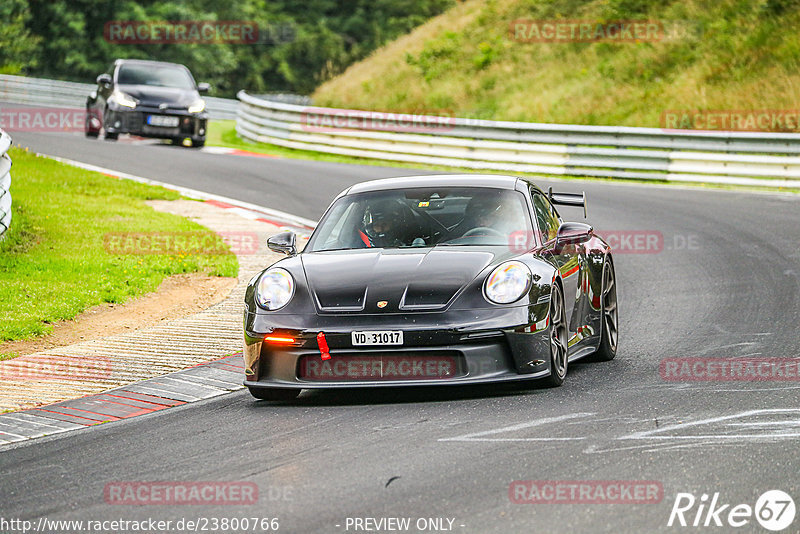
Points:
(161, 76)
(422, 218)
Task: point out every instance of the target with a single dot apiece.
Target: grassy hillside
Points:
(724, 55)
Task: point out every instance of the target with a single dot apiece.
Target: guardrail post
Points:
(5, 183)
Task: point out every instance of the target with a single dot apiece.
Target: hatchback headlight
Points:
(275, 289)
(124, 100)
(507, 283)
(197, 106)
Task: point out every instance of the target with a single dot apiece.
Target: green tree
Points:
(17, 44)
(302, 43)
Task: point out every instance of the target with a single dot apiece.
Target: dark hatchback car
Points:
(148, 99)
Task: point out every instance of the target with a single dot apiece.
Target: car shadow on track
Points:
(417, 394)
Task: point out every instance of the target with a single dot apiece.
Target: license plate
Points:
(378, 337)
(162, 120)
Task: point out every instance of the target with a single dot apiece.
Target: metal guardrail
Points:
(286, 98)
(743, 158)
(5, 183)
(43, 92)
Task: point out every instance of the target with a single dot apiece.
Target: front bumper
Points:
(191, 125)
(475, 346)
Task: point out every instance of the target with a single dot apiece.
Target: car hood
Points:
(149, 95)
(406, 279)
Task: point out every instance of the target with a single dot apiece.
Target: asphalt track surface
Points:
(724, 285)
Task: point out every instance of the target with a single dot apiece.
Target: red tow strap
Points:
(365, 239)
(323, 346)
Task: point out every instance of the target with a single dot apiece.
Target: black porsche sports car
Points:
(431, 280)
(148, 99)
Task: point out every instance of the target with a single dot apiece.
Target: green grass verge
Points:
(53, 261)
(223, 133)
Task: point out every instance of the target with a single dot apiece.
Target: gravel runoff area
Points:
(94, 366)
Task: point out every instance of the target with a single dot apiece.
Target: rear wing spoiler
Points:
(568, 199)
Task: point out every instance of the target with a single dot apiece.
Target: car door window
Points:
(333, 238)
(546, 217)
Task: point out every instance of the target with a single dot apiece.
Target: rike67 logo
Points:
(774, 510)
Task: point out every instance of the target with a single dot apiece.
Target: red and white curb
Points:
(203, 381)
(235, 152)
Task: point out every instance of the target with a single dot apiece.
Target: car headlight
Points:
(275, 289)
(197, 106)
(507, 283)
(124, 100)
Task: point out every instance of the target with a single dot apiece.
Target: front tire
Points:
(559, 341)
(106, 134)
(88, 127)
(274, 394)
(181, 141)
(609, 322)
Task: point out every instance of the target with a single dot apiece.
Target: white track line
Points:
(192, 193)
(479, 436)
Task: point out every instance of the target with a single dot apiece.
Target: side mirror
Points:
(203, 87)
(283, 243)
(104, 79)
(571, 233)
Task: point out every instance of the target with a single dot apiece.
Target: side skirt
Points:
(581, 352)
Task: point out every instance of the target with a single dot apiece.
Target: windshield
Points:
(156, 75)
(422, 218)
